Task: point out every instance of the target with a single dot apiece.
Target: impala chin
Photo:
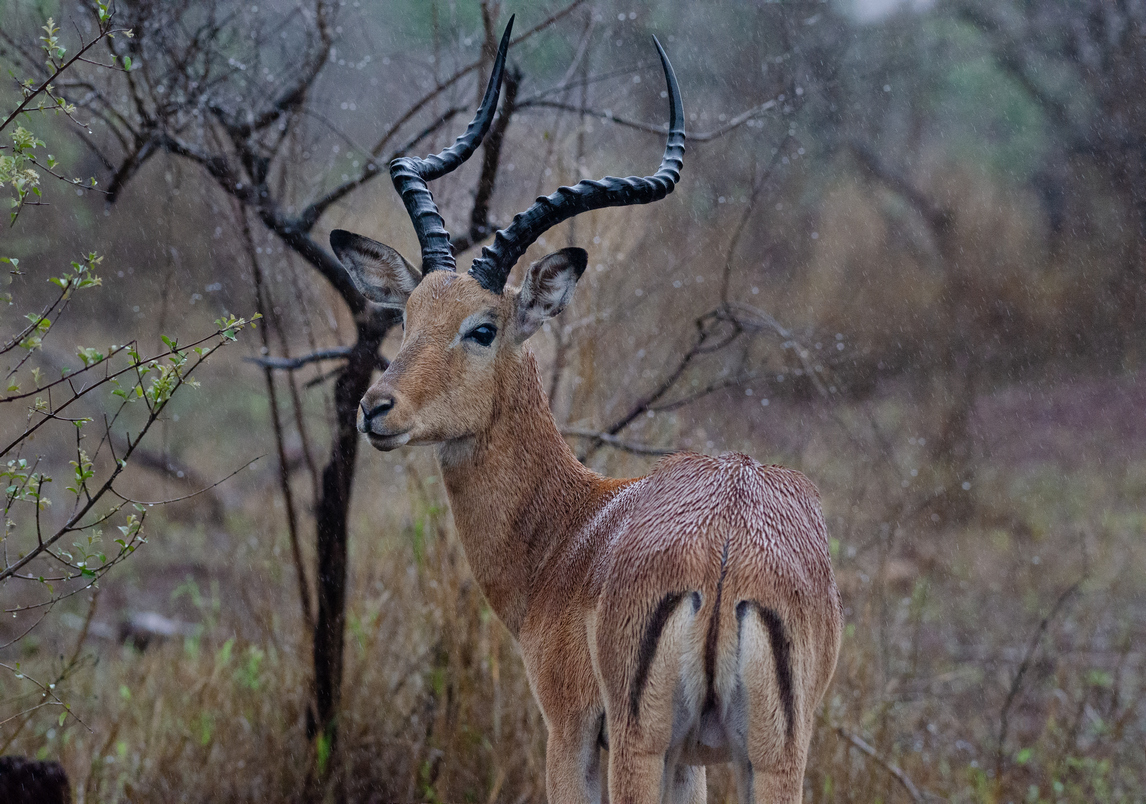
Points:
(388, 442)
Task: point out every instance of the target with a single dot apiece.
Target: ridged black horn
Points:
(410, 174)
(492, 268)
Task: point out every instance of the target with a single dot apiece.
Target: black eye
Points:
(483, 334)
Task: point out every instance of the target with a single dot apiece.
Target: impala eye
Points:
(483, 334)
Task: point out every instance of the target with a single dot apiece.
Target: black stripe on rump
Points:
(648, 650)
(781, 654)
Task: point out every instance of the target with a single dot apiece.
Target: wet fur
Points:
(692, 612)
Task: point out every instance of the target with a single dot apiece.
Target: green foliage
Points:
(16, 167)
(53, 544)
(20, 165)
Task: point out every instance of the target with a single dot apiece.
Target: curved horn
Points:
(492, 268)
(410, 174)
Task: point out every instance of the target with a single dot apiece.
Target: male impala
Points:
(679, 619)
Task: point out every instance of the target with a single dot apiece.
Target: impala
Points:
(681, 619)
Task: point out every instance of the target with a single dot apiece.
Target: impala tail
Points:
(769, 655)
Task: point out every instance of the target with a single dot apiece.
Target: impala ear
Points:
(379, 272)
(548, 288)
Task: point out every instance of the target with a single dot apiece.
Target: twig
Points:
(58, 70)
(703, 136)
(1024, 666)
(749, 209)
(462, 73)
(314, 211)
(262, 302)
(189, 496)
(614, 441)
(293, 363)
(887, 765)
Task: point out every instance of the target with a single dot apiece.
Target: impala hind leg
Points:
(772, 728)
(768, 787)
(636, 774)
(686, 785)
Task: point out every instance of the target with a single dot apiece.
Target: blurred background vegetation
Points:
(907, 256)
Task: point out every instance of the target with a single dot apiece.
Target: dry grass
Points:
(941, 617)
(949, 589)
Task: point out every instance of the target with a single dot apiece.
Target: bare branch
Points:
(293, 363)
(937, 217)
(886, 764)
(704, 136)
(1024, 666)
(312, 213)
(480, 226)
(614, 441)
(418, 105)
(295, 94)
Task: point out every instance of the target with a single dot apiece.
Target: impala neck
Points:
(517, 491)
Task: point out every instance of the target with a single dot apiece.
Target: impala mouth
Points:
(389, 441)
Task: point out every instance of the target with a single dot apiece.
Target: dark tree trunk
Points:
(331, 513)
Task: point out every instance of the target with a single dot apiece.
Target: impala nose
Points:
(378, 407)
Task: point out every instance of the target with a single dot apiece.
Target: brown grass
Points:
(941, 615)
(947, 375)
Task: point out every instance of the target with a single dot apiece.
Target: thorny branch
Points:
(1024, 666)
(75, 520)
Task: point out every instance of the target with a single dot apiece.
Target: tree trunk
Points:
(331, 516)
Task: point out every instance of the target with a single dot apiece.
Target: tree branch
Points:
(704, 136)
(480, 227)
(614, 441)
(896, 772)
(313, 212)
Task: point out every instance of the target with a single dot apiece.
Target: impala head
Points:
(463, 333)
